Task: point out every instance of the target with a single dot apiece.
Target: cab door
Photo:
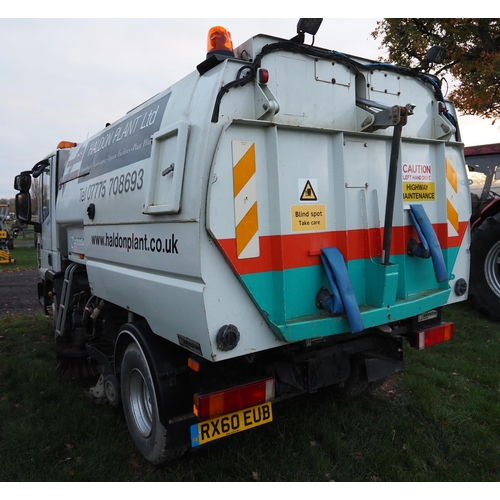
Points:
(46, 245)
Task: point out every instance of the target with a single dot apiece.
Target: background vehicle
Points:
(6, 235)
(483, 162)
(277, 222)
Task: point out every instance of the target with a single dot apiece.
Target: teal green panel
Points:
(266, 289)
(301, 286)
(403, 289)
(450, 257)
(327, 325)
(380, 283)
(291, 295)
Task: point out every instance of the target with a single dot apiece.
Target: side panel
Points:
(133, 222)
(134, 217)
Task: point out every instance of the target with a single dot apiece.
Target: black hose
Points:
(267, 49)
(235, 83)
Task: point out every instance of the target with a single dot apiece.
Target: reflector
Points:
(263, 76)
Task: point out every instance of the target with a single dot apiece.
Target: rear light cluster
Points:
(435, 335)
(207, 406)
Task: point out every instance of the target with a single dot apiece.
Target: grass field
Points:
(25, 257)
(437, 421)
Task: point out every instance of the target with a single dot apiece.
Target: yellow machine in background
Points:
(6, 242)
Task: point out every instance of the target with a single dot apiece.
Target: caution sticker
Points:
(419, 191)
(308, 218)
(418, 184)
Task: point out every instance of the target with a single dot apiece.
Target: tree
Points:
(472, 56)
(8, 201)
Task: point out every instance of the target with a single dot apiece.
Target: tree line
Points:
(472, 60)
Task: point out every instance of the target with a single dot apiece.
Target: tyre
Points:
(485, 268)
(140, 407)
(355, 385)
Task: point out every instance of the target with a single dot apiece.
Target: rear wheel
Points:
(485, 268)
(140, 406)
(356, 384)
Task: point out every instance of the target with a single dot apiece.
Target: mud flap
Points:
(377, 369)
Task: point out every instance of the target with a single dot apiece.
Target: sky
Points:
(65, 78)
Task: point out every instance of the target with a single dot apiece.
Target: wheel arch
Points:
(165, 362)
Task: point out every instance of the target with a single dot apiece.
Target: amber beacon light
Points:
(219, 42)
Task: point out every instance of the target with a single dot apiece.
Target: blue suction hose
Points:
(343, 293)
(429, 242)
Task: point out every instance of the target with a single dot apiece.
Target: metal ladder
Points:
(65, 299)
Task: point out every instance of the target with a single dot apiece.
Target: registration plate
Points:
(241, 420)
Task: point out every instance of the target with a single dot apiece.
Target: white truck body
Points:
(201, 213)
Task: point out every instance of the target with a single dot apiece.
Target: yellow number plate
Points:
(217, 428)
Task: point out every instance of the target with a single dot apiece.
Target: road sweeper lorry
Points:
(280, 221)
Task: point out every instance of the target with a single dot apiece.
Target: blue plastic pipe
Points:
(429, 240)
(340, 283)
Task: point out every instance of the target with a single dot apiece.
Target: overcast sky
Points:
(63, 79)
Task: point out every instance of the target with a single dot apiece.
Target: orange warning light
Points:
(219, 41)
(66, 144)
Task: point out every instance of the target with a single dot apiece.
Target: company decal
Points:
(117, 146)
(118, 184)
(131, 242)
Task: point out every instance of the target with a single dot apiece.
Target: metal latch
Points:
(168, 170)
(382, 116)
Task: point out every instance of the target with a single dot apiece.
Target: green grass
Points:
(438, 421)
(25, 259)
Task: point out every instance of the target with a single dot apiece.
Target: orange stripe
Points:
(243, 170)
(246, 229)
(451, 175)
(452, 215)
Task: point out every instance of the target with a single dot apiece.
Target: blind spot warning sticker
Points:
(308, 218)
(307, 190)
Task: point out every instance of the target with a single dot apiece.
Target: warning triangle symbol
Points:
(308, 193)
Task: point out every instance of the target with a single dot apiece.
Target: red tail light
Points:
(237, 398)
(435, 335)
